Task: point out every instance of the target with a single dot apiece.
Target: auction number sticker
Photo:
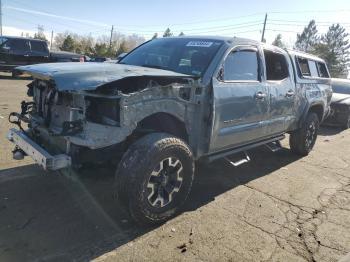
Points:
(199, 43)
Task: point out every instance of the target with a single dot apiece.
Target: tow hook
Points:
(18, 154)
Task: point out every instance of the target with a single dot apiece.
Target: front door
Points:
(240, 100)
(18, 51)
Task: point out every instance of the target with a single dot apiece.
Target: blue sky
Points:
(193, 17)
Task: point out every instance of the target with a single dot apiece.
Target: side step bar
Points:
(244, 148)
(244, 160)
(274, 146)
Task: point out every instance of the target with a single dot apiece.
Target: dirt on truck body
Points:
(166, 104)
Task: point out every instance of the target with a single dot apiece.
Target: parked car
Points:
(99, 59)
(168, 103)
(340, 104)
(63, 56)
(17, 51)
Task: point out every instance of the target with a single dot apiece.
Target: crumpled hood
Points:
(89, 76)
(340, 98)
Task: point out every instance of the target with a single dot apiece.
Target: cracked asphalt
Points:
(278, 207)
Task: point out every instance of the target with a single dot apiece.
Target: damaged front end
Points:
(72, 120)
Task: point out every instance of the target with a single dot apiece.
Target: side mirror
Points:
(121, 56)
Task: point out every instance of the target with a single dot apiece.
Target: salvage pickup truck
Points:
(167, 104)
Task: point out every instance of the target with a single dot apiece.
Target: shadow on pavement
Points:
(330, 130)
(9, 77)
(46, 216)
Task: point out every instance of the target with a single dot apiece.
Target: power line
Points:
(306, 22)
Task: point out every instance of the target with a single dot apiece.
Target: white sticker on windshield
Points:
(199, 43)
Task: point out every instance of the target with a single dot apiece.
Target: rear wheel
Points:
(154, 177)
(303, 140)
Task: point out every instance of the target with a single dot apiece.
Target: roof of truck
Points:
(240, 40)
(304, 55)
(219, 38)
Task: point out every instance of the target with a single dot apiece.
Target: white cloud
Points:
(29, 11)
(15, 31)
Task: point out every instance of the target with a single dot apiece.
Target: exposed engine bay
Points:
(70, 121)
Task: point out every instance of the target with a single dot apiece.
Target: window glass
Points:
(38, 46)
(19, 45)
(2, 40)
(183, 55)
(322, 70)
(276, 66)
(304, 67)
(241, 65)
(313, 69)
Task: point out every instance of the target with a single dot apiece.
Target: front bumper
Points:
(37, 153)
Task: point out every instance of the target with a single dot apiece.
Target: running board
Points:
(243, 148)
(274, 146)
(242, 161)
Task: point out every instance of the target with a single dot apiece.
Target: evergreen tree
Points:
(155, 36)
(278, 41)
(308, 39)
(167, 33)
(334, 48)
(122, 48)
(68, 44)
(181, 34)
(101, 49)
(40, 34)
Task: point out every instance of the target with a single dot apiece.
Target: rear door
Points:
(39, 52)
(240, 100)
(18, 51)
(279, 80)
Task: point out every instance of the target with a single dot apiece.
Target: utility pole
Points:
(0, 18)
(263, 32)
(110, 40)
(51, 39)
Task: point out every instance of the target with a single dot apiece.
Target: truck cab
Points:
(261, 91)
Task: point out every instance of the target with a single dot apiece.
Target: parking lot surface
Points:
(278, 207)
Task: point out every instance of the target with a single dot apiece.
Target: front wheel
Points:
(155, 177)
(303, 140)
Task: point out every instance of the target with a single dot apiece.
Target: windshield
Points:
(182, 55)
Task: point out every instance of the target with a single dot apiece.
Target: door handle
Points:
(290, 93)
(260, 95)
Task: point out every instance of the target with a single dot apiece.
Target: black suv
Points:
(15, 51)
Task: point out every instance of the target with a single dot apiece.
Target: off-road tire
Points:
(299, 141)
(134, 172)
